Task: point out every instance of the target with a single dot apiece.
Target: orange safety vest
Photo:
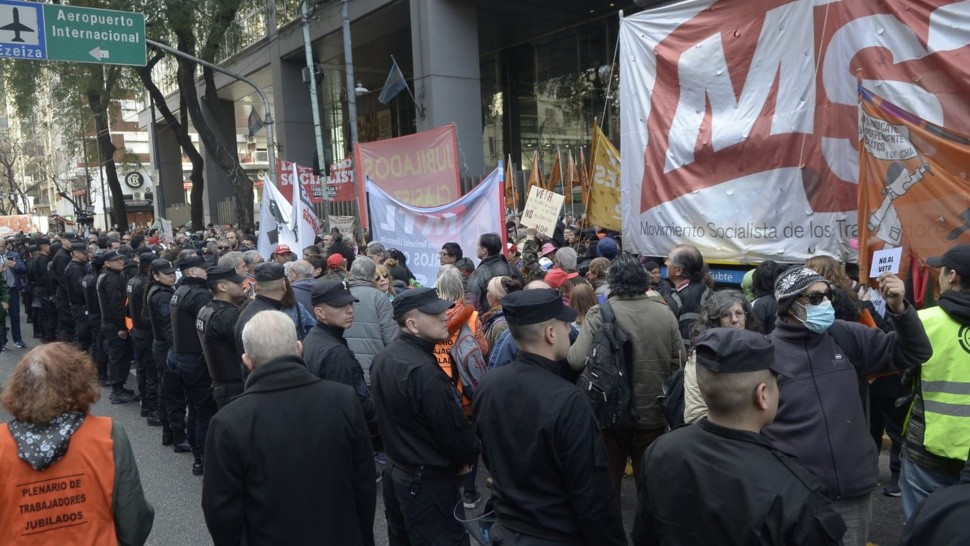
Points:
(69, 502)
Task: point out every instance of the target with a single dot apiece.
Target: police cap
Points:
(535, 306)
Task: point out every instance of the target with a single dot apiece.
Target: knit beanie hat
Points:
(793, 282)
(607, 248)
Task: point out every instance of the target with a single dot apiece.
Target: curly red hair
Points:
(49, 380)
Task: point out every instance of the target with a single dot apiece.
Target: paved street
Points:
(175, 492)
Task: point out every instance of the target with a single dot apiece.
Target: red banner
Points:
(419, 169)
(340, 184)
(284, 172)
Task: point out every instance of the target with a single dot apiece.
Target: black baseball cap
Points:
(191, 261)
(424, 299)
(269, 271)
(162, 266)
(146, 256)
(736, 351)
(223, 273)
(535, 306)
(112, 255)
(332, 293)
(957, 259)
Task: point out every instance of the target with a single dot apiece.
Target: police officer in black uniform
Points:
(112, 292)
(74, 288)
(567, 496)
(141, 341)
(719, 480)
(171, 399)
(191, 295)
(59, 263)
(429, 442)
(90, 285)
(325, 350)
(45, 314)
(270, 288)
(215, 325)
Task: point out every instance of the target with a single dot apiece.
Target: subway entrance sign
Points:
(54, 32)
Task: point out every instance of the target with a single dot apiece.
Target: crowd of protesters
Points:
(300, 382)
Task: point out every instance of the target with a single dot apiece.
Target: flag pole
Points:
(408, 87)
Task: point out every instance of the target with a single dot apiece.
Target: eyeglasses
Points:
(816, 298)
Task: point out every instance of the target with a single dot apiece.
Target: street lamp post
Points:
(351, 102)
(315, 106)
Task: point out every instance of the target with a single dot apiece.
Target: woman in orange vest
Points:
(69, 477)
(450, 288)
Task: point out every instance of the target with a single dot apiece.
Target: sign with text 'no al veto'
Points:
(54, 32)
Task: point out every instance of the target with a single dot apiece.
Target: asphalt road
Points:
(176, 494)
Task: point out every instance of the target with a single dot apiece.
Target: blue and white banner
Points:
(420, 232)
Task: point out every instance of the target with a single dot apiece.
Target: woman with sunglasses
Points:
(383, 282)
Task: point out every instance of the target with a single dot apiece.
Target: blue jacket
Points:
(17, 271)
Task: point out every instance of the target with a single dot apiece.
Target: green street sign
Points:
(55, 32)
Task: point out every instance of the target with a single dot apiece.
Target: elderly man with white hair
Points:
(289, 461)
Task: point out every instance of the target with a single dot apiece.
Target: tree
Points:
(11, 152)
(186, 21)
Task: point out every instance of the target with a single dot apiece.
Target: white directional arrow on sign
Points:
(99, 53)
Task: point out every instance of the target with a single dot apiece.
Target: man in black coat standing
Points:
(270, 288)
(429, 442)
(289, 461)
(112, 289)
(325, 350)
(567, 494)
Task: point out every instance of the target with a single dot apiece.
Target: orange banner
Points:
(419, 169)
(912, 190)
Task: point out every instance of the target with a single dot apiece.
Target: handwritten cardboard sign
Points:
(542, 210)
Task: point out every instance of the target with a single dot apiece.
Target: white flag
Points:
(275, 221)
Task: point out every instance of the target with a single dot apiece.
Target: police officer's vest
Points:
(136, 302)
(89, 283)
(945, 385)
(220, 354)
(158, 330)
(183, 325)
(68, 502)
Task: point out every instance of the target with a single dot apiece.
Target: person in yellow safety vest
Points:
(937, 434)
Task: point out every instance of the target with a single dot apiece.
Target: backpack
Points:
(606, 374)
(468, 359)
(672, 399)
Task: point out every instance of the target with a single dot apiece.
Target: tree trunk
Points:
(182, 137)
(98, 105)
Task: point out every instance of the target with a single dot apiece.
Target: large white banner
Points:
(420, 232)
(739, 125)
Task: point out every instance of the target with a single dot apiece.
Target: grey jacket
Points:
(658, 350)
(373, 326)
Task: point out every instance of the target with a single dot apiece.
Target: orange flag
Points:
(571, 179)
(535, 175)
(511, 187)
(911, 193)
(556, 176)
(583, 177)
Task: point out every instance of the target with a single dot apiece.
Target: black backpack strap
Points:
(606, 311)
(843, 336)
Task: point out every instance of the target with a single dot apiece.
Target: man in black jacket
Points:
(215, 325)
(325, 350)
(45, 312)
(90, 285)
(429, 442)
(59, 263)
(567, 494)
(141, 341)
(720, 477)
(288, 461)
(171, 398)
(112, 292)
(74, 288)
(492, 264)
(270, 288)
(191, 294)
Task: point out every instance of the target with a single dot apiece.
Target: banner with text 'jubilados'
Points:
(739, 120)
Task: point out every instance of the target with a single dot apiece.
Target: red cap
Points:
(335, 260)
(281, 249)
(557, 277)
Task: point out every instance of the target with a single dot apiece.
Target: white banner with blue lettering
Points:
(420, 232)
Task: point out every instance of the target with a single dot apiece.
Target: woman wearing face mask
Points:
(821, 419)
